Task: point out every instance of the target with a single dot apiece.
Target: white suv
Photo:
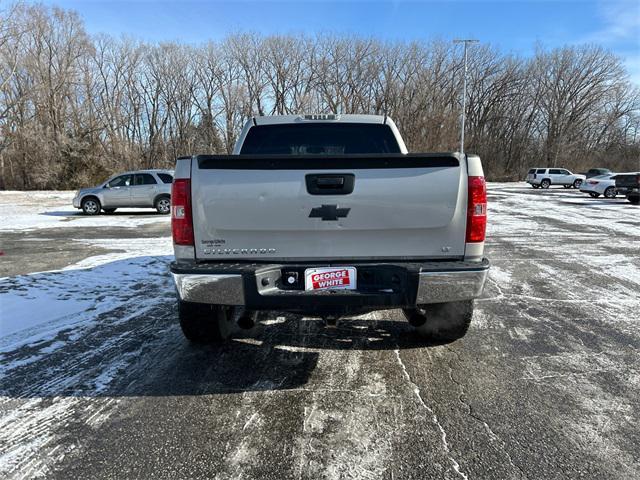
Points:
(545, 177)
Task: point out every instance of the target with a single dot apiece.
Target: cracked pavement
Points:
(546, 384)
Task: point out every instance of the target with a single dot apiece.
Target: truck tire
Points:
(203, 323)
(442, 321)
(546, 183)
(163, 204)
(634, 199)
(577, 183)
(90, 206)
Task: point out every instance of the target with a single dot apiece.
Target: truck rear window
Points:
(319, 139)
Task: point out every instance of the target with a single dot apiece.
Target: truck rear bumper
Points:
(380, 285)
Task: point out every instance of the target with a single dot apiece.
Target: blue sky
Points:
(513, 26)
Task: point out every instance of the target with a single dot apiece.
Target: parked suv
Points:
(595, 172)
(139, 189)
(545, 177)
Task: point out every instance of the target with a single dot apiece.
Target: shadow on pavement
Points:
(276, 356)
(111, 340)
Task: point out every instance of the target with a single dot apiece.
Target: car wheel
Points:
(566, 186)
(109, 211)
(577, 183)
(545, 183)
(441, 321)
(163, 205)
(610, 192)
(90, 206)
(203, 323)
(594, 194)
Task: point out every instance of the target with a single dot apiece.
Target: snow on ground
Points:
(38, 306)
(521, 209)
(81, 328)
(588, 237)
(42, 313)
(47, 209)
(125, 248)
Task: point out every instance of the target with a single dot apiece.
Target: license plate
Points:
(330, 278)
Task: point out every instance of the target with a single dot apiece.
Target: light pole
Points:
(464, 88)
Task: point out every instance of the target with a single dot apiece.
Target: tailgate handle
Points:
(330, 183)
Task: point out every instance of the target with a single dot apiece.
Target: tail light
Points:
(592, 182)
(477, 210)
(181, 219)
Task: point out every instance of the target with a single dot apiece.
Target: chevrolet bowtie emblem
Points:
(329, 212)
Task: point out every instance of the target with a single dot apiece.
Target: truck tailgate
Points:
(329, 207)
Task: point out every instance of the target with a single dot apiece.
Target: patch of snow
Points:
(503, 277)
(126, 248)
(38, 305)
(25, 432)
(49, 209)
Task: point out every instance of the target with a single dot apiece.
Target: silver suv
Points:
(139, 189)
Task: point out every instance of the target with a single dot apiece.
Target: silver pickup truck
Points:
(327, 215)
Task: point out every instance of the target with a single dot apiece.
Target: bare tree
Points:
(74, 109)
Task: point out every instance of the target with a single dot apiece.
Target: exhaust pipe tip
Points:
(247, 320)
(415, 317)
(330, 321)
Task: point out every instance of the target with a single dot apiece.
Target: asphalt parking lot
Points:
(97, 381)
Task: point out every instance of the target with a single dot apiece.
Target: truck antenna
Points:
(466, 42)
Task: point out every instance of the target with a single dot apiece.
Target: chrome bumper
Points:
(440, 287)
(433, 286)
(214, 289)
